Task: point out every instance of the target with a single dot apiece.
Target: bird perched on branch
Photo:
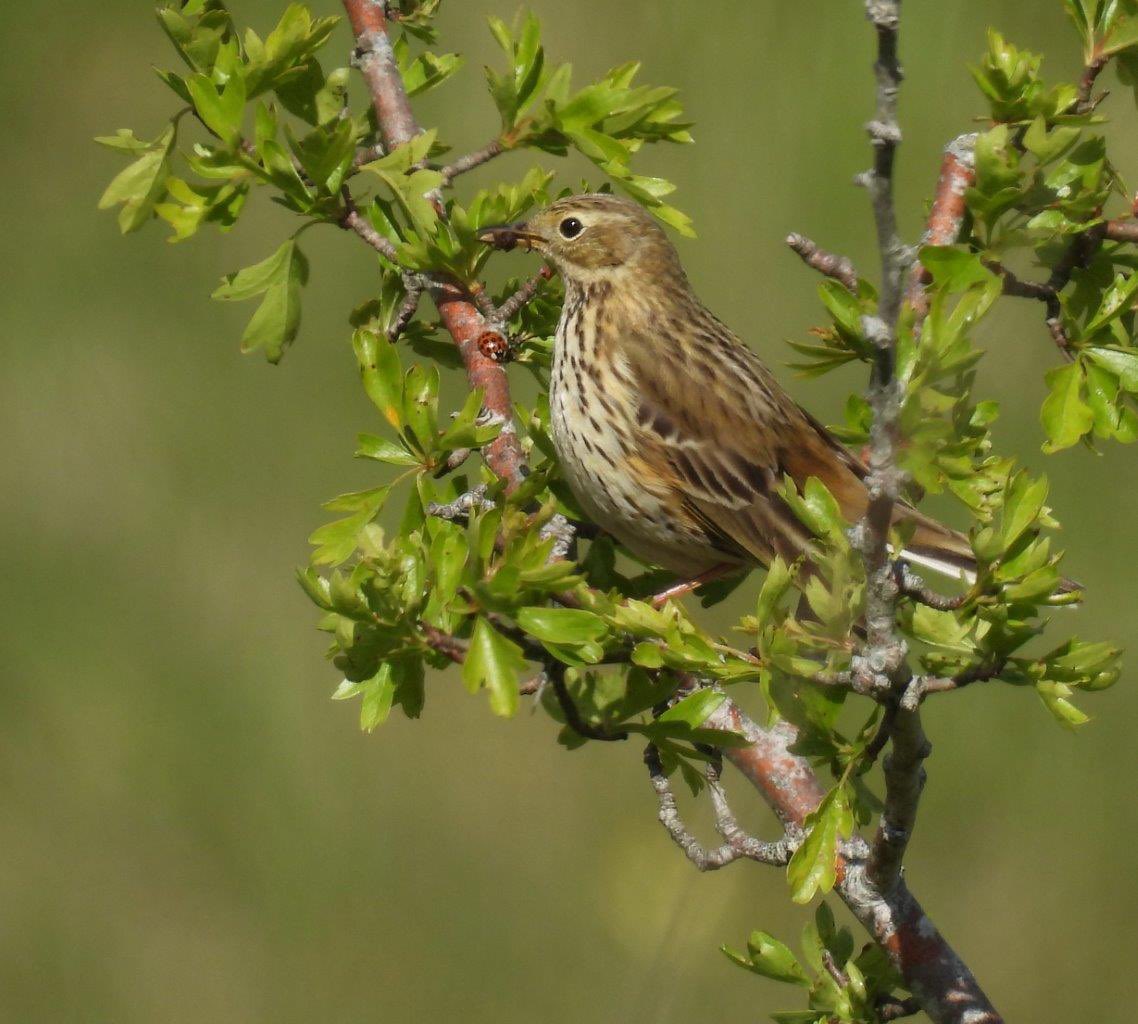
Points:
(672, 434)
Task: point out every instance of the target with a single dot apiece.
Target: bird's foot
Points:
(687, 586)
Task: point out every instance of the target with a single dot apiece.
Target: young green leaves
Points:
(141, 186)
(607, 121)
(841, 987)
(278, 280)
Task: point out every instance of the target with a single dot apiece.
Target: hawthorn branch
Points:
(443, 643)
(1087, 101)
(830, 264)
(1122, 230)
(461, 318)
(492, 149)
(910, 585)
(737, 844)
(949, 209)
(904, 780)
(884, 654)
(940, 981)
(522, 296)
(408, 307)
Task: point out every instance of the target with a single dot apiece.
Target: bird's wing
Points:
(715, 423)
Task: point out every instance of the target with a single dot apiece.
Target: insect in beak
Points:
(508, 236)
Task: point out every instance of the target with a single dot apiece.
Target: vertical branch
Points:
(376, 61)
(460, 316)
(884, 655)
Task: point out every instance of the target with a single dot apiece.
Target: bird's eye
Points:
(570, 227)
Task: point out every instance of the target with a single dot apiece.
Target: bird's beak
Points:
(509, 236)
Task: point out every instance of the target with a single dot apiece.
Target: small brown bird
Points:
(672, 434)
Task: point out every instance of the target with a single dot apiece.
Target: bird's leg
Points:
(687, 586)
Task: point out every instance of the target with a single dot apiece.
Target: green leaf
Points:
(383, 450)
(381, 373)
(771, 959)
(695, 708)
(1055, 698)
(495, 662)
(428, 71)
(1123, 363)
(1065, 415)
(1023, 502)
(141, 185)
(562, 625)
(405, 156)
(378, 694)
(336, 542)
(1118, 299)
(221, 108)
(279, 279)
(813, 868)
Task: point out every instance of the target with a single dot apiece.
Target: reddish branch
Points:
(376, 61)
(957, 175)
(460, 317)
(947, 990)
(1122, 231)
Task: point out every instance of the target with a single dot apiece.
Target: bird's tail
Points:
(946, 551)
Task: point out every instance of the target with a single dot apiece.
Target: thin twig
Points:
(443, 643)
(459, 510)
(737, 845)
(407, 307)
(881, 737)
(367, 155)
(468, 162)
(884, 654)
(355, 221)
(832, 265)
(1086, 103)
(523, 296)
(1042, 292)
(982, 673)
(910, 585)
(840, 978)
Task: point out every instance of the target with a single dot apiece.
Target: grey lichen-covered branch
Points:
(737, 845)
(884, 656)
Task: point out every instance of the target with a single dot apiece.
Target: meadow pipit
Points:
(672, 434)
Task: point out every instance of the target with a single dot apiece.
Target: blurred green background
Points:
(192, 831)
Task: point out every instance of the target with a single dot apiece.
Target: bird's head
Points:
(593, 237)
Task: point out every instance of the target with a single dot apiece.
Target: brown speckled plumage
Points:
(672, 434)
